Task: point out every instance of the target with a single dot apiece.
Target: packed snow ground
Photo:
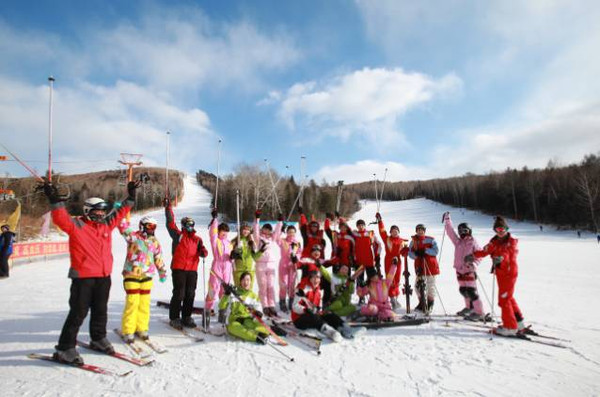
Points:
(557, 291)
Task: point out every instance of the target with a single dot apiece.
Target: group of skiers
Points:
(317, 291)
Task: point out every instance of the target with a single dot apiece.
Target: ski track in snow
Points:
(556, 290)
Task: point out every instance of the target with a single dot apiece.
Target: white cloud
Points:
(364, 103)
(363, 171)
(93, 122)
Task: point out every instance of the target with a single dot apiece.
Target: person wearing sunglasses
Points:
(90, 250)
(143, 260)
(503, 248)
(187, 249)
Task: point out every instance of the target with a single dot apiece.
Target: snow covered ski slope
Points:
(557, 290)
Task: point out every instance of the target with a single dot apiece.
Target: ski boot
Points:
(473, 316)
(206, 320)
(429, 306)
(143, 335)
(464, 312)
(500, 330)
(282, 306)
(290, 303)
(69, 356)
(270, 311)
(331, 333)
(262, 338)
(395, 303)
(128, 338)
(222, 316)
(176, 323)
(188, 322)
(102, 345)
(350, 333)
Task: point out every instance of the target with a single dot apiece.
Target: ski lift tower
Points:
(130, 160)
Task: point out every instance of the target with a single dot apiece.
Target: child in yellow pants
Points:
(144, 258)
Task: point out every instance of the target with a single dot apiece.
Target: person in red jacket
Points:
(342, 242)
(503, 248)
(312, 234)
(90, 250)
(423, 250)
(395, 247)
(367, 251)
(187, 250)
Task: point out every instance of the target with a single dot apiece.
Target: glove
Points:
(300, 210)
(280, 217)
(228, 288)
(329, 216)
(236, 253)
(263, 246)
(378, 260)
(497, 260)
(420, 253)
(294, 258)
(132, 187)
(395, 260)
(445, 216)
(404, 251)
(361, 283)
(257, 313)
(469, 258)
(52, 193)
(214, 213)
(166, 202)
(257, 214)
(378, 217)
(337, 214)
(162, 274)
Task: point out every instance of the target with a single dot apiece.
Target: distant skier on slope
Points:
(143, 260)
(187, 250)
(466, 271)
(241, 324)
(266, 266)
(395, 248)
(423, 250)
(90, 250)
(503, 248)
(221, 249)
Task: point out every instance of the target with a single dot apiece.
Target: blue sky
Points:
(426, 89)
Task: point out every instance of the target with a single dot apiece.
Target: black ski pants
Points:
(184, 290)
(312, 320)
(4, 269)
(86, 294)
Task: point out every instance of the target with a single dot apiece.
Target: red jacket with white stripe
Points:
(366, 248)
(310, 239)
(306, 298)
(90, 243)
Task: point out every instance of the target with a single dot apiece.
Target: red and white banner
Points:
(28, 250)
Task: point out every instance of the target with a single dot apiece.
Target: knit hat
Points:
(500, 222)
(360, 222)
(395, 227)
(420, 226)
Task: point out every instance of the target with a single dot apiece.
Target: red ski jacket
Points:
(310, 239)
(90, 243)
(366, 248)
(187, 247)
(395, 247)
(306, 298)
(427, 265)
(342, 246)
(508, 249)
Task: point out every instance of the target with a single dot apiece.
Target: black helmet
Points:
(188, 224)
(464, 229)
(420, 226)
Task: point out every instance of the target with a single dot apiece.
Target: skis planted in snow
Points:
(406, 288)
(86, 367)
(280, 341)
(133, 360)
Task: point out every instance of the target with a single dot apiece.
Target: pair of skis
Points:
(284, 328)
(136, 348)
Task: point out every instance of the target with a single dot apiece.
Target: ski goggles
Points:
(149, 226)
(501, 229)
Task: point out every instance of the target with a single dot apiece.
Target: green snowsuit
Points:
(244, 260)
(341, 292)
(241, 324)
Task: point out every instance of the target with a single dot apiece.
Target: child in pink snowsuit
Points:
(466, 272)
(379, 291)
(266, 264)
(290, 248)
(222, 266)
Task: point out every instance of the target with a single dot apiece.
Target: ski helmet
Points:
(420, 226)
(94, 204)
(188, 224)
(464, 229)
(148, 225)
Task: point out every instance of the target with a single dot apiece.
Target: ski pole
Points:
(484, 292)
(218, 173)
(167, 168)
(376, 193)
(493, 297)
(204, 327)
(294, 205)
(278, 350)
(51, 84)
(382, 187)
